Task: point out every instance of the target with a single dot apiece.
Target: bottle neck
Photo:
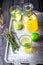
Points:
(28, 13)
(28, 9)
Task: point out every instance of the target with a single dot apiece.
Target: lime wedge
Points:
(18, 17)
(27, 45)
(17, 26)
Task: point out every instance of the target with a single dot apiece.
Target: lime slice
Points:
(27, 45)
(17, 26)
(13, 13)
(17, 11)
(17, 15)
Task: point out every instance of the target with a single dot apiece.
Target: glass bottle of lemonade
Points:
(30, 21)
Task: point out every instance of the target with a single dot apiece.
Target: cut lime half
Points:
(17, 26)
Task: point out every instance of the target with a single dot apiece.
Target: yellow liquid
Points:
(27, 50)
(30, 50)
(30, 23)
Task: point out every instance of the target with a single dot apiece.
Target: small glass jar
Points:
(16, 16)
(26, 43)
(15, 12)
(30, 21)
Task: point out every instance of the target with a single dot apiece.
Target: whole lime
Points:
(17, 26)
(34, 37)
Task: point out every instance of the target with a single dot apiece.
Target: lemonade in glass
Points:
(26, 43)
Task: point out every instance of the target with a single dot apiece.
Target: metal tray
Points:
(20, 57)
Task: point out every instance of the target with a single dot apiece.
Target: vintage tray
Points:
(20, 57)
